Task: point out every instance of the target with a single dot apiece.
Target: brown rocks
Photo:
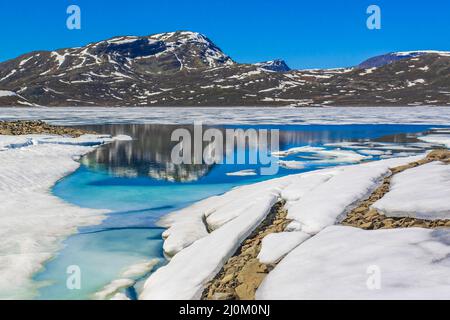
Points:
(363, 216)
(243, 273)
(37, 127)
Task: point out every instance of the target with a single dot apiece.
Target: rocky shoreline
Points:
(243, 273)
(21, 127)
(368, 218)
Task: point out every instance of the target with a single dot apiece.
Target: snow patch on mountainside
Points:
(6, 93)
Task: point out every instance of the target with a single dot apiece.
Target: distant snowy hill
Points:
(384, 59)
(185, 68)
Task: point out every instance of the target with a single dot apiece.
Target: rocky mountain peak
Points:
(274, 65)
(185, 68)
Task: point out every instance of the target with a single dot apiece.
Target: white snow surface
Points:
(343, 187)
(344, 263)
(33, 222)
(191, 268)
(201, 238)
(422, 192)
(276, 245)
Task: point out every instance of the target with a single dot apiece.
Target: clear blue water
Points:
(133, 181)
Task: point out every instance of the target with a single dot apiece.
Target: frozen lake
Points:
(138, 183)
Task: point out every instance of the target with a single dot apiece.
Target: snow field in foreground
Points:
(422, 192)
(202, 237)
(349, 263)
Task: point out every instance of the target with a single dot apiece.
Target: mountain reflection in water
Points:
(149, 154)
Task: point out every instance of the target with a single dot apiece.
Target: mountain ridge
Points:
(185, 68)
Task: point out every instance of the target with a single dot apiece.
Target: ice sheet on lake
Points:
(422, 192)
(236, 115)
(33, 221)
(345, 262)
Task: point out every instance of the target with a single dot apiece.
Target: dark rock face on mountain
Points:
(275, 65)
(186, 69)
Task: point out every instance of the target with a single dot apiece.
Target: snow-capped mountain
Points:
(185, 68)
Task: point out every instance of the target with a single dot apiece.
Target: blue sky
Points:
(307, 34)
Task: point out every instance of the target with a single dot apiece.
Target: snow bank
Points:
(326, 202)
(202, 237)
(185, 226)
(344, 263)
(33, 221)
(190, 269)
(422, 192)
(192, 223)
(276, 245)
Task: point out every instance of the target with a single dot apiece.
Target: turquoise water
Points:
(135, 181)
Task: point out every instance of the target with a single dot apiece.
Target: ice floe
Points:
(442, 139)
(318, 155)
(422, 192)
(242, 173)
(349, 263)
(112, 289)
(291, 164)
(33, 222)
